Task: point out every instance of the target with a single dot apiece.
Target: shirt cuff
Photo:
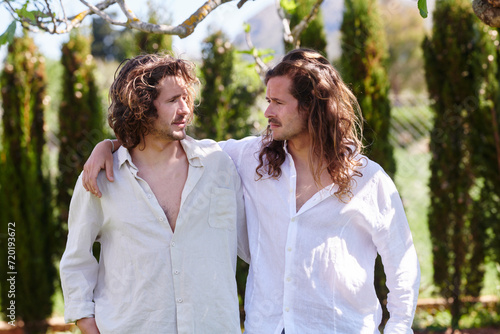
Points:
(78, 311)
(397, 328)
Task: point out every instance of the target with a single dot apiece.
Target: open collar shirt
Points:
(312, 270)
(149, 279)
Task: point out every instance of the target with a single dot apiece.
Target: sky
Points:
(226, 17)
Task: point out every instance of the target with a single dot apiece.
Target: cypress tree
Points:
(313, 36)
(494, 141)
(460, 74)
(81, 120)
(153, 43)
(363, 66)
(226, 101)
(26, 204)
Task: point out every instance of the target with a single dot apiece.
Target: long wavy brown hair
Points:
(132, 113)
(333, 121)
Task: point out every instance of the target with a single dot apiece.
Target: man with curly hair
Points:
(318, 211)
(167, 225)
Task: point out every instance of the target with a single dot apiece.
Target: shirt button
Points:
(293, 219)
(288, 279)
(149, 195)
(289, 249)
(172, 244)
(287, 309)
(179, 300)
(177, 272)
(160, 219)
(291, 190)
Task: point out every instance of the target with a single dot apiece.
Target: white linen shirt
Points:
(148, 279)
(312, 271)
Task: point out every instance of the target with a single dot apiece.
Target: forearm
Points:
(101, 158)
(112, 144)
(87, 325)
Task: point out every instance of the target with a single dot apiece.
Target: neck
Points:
(156, 153)
(299, 148)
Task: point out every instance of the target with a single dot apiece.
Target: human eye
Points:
(173, 99)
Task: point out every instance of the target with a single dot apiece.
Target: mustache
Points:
(273, 121)
(180, 119)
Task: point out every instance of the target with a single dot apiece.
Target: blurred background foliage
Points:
(429, 95)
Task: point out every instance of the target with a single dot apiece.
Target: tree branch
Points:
(292, 36)
(299, 28)
(190, 24)
(48, 20)
(486, 12)
(287, 34)
(260, 66)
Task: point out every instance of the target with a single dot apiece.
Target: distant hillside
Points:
(267, 30)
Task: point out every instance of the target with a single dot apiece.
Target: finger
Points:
(109, 169)
(94, 187)
(91, 180)
(84, 180)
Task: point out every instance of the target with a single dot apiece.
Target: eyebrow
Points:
(183, 92)
(273, 99)
(174, 96)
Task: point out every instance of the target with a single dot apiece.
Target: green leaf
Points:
(8, 35)
(247, 52)
(288, 5)
(38, 13)
(246, 27)
(422, 6)
(268, 59)
(265, 52)
(24, 13)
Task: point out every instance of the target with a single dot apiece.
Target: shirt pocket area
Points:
(222, 209)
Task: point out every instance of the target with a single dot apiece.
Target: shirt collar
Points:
(193, 152)
(285, 146)
(123, 156)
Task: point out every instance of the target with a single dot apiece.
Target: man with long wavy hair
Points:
(167, 225)
(318, 212)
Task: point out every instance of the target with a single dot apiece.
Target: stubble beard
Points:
(168, 134)
(285, 134)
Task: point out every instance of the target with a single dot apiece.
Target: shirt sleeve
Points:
(241, 224)
(78, 267)
(234, 149)
(394, 243)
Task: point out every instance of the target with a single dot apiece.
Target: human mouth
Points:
(273, 123)
(180, 122)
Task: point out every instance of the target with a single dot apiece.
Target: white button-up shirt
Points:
(312, 270)
(148, 279)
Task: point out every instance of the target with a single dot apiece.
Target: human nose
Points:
(269, 112)
(183, 107)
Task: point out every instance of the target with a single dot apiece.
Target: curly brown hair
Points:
(132, 113)
(333, 121)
